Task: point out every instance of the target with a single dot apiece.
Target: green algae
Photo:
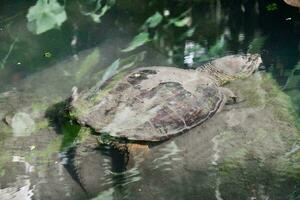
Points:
(108, 87)
(4, 158)
(289, 165)
(253, 99)
(82, 105)
(44, 156)
(80, 109)
(38, 107)
(266, 92)
(42, 124)
(70, 135)
(73, 134)
(83, 133)
(70, 132)
(5, 131)
(88, 63)
(267, 143)
(281, 103)
(110, 77)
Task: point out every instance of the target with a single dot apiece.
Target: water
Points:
(248, 151)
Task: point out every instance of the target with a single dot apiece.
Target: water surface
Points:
(42, 56)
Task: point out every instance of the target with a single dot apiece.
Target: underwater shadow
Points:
(88, 163)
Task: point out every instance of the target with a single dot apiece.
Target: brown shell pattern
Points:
(153, 114)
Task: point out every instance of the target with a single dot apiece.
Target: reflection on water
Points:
(169, 157)
(23, 192)
(21, 187)
(249, 151)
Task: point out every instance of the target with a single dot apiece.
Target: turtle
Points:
(149, 105)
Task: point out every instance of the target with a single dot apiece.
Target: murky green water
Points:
(248, 151)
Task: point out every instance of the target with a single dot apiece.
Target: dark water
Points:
(65, 43)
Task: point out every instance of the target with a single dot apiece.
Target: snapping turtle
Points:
(155, 103)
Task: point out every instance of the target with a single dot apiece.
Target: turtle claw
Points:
(232, 100)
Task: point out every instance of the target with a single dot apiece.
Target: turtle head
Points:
(238, 66)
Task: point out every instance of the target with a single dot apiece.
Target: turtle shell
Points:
(150, 104)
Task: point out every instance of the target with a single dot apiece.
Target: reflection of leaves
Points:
(12, 46)
(217, 48)
(188, 33)
(293, 79)
(120, 65)
(96, 17)
(193, 52)
(256, 44)
(132, 60)
(183, 22)
(87, 64)
(137, 41)
(48, 54)
(45, 15)
(214, 51)
(271, 7)
(153, 21)
(110, 71)
(99, 10)
(292, 88)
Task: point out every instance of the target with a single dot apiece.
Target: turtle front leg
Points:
(136, 149)
(133, 153)
(137, 153)
(228, 97)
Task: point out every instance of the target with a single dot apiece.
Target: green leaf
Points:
(256, 44)
(110, 71)
(120, 65)
(153, 21)
(218, 48)
(182, 22)
(48, 54)
(189, 33)
(98, 9)
(132, 61)
(45, 15)
(272, 7)
(97, 17)
(137, 41)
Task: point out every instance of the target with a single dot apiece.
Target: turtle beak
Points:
(259, 61)
(261, 67)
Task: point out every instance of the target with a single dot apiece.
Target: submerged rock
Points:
(249, 150)
(22, 124)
